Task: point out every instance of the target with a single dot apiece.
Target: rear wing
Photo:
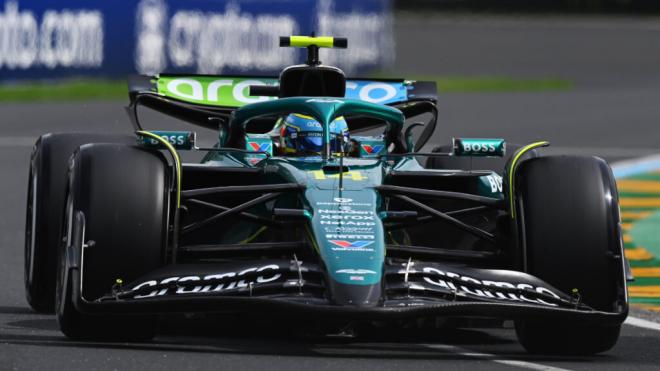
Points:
(208, 101)
(234, 92)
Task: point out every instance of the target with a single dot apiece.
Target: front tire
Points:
(45, 203)
(568, 210)
(117, 198)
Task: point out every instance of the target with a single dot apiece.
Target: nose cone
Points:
(355, 295)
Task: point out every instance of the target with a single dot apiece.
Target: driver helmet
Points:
(301, 134)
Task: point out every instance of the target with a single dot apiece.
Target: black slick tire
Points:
(572, 240)
(119, 195)
(44, 210)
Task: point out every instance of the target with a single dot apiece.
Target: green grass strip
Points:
(644, 263)
(68, 90)
(646, 176)
(645, 281)
(479, 84)
(645, 300)
(628, 194)
(645, 233)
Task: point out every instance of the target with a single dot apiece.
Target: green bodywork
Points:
(344, 224)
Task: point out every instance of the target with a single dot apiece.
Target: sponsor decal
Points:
(495, 182)
(346, 223)
(377, 92)
(210, 283)
(343, 200)
(233, 92)
(350, 236)
(344, 229)
(354, 175)
(178, 139)
(489, 289)
(372, 149)
(175, 140)
(479, 147)
(348, 217)
(346, 210)
(260, 147)
(355, 271)
(360, 245)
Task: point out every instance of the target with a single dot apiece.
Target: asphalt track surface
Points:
(612, 112)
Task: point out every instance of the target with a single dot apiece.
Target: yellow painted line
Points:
(638, 186)
(640, 202)
(635, 215)
(627, 238)
(638, 253)
(626, 226)
(646, 272)
(644, 291)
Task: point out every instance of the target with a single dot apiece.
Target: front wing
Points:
(295, 288)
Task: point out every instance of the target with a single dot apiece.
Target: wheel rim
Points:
(62, 281)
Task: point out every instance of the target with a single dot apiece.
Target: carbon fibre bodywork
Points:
(365, 233)
(353, 238)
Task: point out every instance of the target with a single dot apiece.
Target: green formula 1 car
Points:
(367, 228)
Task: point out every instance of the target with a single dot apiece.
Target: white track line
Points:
(627, 168)
(638, 322)
(494, 358)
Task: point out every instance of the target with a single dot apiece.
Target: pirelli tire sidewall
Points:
(569, 229)
(45, 203)
(122, 192)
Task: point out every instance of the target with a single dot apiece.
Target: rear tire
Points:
(45, 203)
(571, 240)
(118, 194)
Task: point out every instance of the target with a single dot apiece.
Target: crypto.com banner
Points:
(60, 38)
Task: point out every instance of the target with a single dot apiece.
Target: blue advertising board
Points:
(110, 39)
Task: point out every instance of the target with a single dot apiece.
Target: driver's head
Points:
(302, 135)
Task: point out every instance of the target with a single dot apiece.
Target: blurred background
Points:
(583, 74)
(570, 71)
